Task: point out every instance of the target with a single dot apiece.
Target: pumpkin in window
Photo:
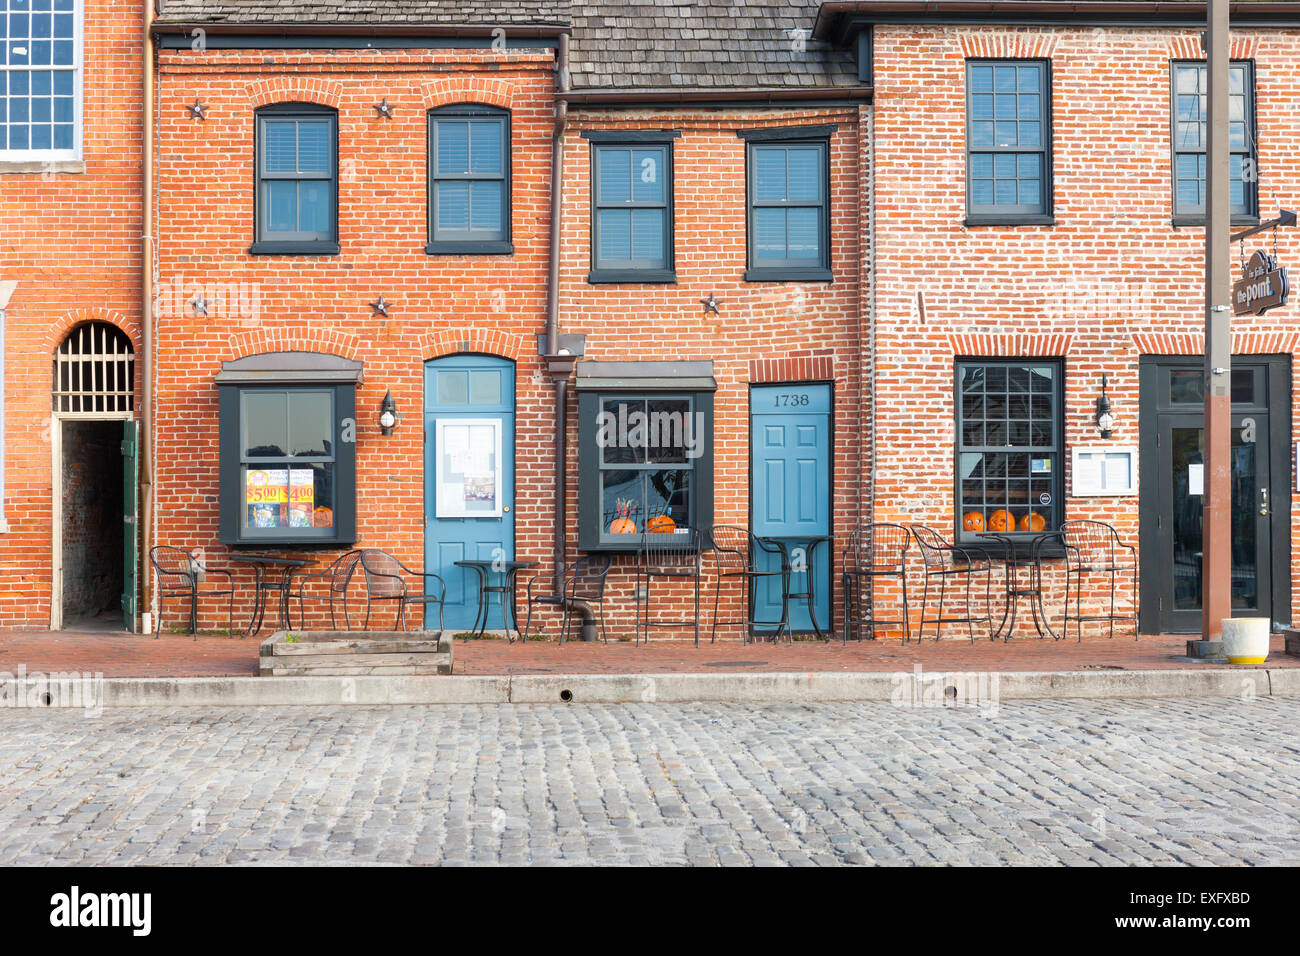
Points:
(623, 524)
(1033, 522)
(660, 524)
(1002, 520)
(972, 521)
(322, 517)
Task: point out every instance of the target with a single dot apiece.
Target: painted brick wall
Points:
(71, 240)
(1111, 280)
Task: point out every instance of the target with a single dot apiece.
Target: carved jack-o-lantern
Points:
(972, 521)
(1001, 520)
(1033, 522)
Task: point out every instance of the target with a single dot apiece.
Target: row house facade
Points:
(420, 278)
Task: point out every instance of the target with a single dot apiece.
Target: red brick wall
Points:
(1098, 288)
(274, 303)
(71, 240)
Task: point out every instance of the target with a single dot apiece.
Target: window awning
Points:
(290, 368)
(646, 376)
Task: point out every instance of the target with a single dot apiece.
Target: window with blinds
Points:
(788, 194)
(469, 179)
(631, 211)
(297, 180)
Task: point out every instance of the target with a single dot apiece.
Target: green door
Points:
(129, 522)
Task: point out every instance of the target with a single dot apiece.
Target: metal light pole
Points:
(1216, 538)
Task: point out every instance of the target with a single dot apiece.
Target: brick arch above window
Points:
(1189, 48)
(292, 339)
(1193, 343)
(294, 89)
(1014, 346)
(1003, 45)
(60, 329)
(476, 91)
(480, 341)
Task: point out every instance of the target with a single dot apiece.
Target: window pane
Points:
(981, 165)
(648, 175)
(1027, 79)
(981, 134)
(1006, 106)
(622, 502)
(623, 431)
(311, 430)
(672, 436)
(313, 146)
(281, 205)
(453, 205)
(1004, 79)
(265, 420)
(280, 151)
(453, 146)
(648, 234)
(289, 497)
(1186, 79)
(1004, 166)
(982, 192)
(804, 170)
(803, 236)
(769, 233)
(485, 146)
(668, 493)
(981, 106)
(453, 388)
(615, 175)
(485, 204)
(314, 207)
(981, 79)
(614, 234)
(769, 174)
(485, 388)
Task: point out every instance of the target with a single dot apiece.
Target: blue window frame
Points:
(469, 180)
(788, 204)
(631, 206)
(1008, 142)
(297, 180)
(40, 79)
(1188, 114)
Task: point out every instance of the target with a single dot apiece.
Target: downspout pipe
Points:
(560, 366)
(145, 448)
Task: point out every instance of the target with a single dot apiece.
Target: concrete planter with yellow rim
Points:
(1245, 639)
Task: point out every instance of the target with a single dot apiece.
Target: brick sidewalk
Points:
(132, 655)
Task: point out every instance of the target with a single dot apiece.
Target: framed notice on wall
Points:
(1103, 470)
(468, 472)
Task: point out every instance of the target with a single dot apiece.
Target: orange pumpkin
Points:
(660, 524)
(1033, 522)
(1002, 521)
(622, 526)
(323, 517)
(972, 521)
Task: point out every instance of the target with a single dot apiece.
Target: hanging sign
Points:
(1263, 286)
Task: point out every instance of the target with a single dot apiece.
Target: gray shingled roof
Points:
(636, 45)
(437, 12)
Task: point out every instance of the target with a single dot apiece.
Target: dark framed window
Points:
(469, 180)
(1188, 113)
(287, 462)
(1008, 142)
(297, 180)
(645, 466)
(1009, 467)
(787, 198)
(631, 206)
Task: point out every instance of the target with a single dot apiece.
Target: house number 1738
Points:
(791, 398)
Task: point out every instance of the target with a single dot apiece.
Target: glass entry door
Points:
(1172, 490)
(1182, 481)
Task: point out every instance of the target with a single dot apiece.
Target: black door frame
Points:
(1278, 407)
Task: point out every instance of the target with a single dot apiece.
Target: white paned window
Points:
(40, 79)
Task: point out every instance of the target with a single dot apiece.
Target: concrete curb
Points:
(906, 688)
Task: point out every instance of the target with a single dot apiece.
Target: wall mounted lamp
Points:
(1104, 418)
(387, 414)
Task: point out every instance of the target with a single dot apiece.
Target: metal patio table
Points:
(509, 571)
(809, 593)
(272, 573)
(1024, 576)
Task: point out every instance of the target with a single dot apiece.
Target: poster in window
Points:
(469, 468)
(302, 488)
(267, 497)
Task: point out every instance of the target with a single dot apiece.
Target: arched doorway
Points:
(93, 440)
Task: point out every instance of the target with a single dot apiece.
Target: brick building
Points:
(788, 233)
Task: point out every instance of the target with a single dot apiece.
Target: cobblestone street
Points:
(1074, 782)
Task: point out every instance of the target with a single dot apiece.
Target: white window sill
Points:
(37, 166)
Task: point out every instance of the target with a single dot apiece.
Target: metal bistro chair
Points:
(1093, 548)
(734, 551)
(675, 561)
(874, 551)
(337, 575)
(178, 576)
(943, 560)
(385, 578)
(581, 583)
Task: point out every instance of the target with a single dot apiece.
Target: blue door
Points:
(790, 442)
(469, 480)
